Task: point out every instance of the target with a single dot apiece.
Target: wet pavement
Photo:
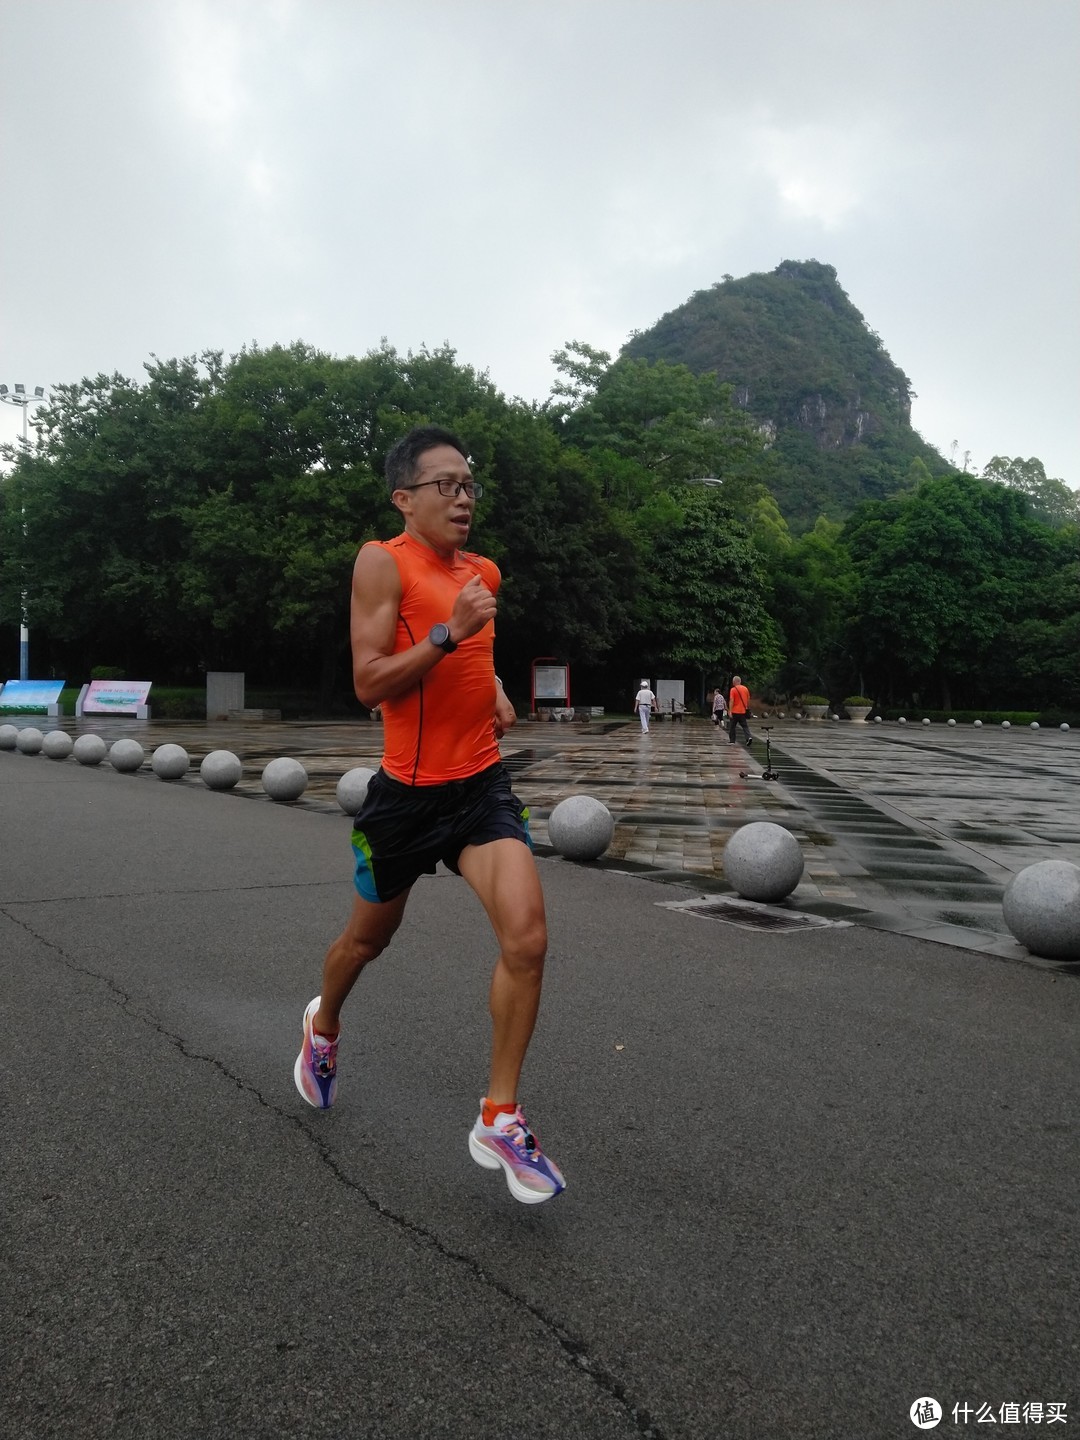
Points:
(912, 829)
(812, 1175)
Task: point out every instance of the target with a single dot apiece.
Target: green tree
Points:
(942, 572)
(1051, 500)
(814, 598)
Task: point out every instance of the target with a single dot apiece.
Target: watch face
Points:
(439, 634)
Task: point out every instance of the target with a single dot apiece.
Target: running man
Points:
(423, 627)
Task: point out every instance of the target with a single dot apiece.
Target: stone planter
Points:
(858, 713)
(816, 712)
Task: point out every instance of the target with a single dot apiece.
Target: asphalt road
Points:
(812, 1176)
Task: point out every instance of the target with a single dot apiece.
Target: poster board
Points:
(32, 695)
(115, 697)
(550, 683)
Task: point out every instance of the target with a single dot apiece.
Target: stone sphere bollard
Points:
(1034, 725)
(284, 779)
(220, 770)
(763, 861)
(352, 788)
(1063, 726)
(581, 827)
(1041, 906)
(57, 745)
(29, 741)
(950, 722)
(978, 724)
(925, 721)
(169, 762)
(89, 749)
(126, 756)
(877, 719)
(8, 735)
(1006, 724)
(901, 721)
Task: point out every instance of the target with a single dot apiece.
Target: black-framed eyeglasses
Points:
(453, 488)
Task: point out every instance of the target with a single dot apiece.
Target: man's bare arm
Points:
(379, 674)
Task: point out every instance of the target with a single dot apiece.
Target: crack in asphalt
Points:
(573, 1347)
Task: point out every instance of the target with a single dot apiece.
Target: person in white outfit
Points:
(645, 704)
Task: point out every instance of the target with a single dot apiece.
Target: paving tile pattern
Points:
(909, 828)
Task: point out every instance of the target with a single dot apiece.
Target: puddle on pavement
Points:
(985, 919)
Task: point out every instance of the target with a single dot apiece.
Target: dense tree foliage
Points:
(208, 517)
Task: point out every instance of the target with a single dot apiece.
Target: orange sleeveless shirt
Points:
(444, 728)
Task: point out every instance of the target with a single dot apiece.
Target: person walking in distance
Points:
(738, 709)
(423, 627)
(719, 706)
(645, 704)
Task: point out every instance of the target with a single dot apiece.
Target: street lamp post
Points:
(24, 401)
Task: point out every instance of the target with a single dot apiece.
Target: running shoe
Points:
(531, 1176)
(315, 1071)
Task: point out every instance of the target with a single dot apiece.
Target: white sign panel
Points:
(550, 682)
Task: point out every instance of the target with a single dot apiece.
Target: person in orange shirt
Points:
(423, 629)
(738, 709)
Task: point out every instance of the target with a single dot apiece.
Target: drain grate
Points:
(750, 915)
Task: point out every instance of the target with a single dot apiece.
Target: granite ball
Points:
(57, 745)
(352, 788)
(581, 827)
(978, 724)
(950, 722)
(220, 770)
(1034, 725)
(877, 719)
(763, 861)
(169, 762)
(29, 741)
(1041, 906)
(89, 749)
(8, 735)
(901, 721)
(1006, 724)
(126, 756)
(1063, 726)
(925, 721)
(284, 779)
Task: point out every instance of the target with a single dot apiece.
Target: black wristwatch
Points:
(439, 635)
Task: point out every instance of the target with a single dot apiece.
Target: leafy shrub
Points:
(107, 672)
(857, 700)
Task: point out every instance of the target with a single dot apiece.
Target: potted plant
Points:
(816, 706)
(858, 708)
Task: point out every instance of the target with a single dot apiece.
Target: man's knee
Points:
(524, 948)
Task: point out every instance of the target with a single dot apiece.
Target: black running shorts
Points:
(402, 831)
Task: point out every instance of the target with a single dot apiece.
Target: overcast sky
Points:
(179, 175)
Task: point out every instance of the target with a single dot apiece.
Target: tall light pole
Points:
(24, 401)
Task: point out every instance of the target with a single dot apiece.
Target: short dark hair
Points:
(403, 461)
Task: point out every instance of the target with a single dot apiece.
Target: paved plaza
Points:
(814, 1174)
(914, 829)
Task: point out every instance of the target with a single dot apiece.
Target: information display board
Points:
(115, 697)
(31, 695)
(551, 682)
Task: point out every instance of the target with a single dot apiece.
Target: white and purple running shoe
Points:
(315, 1071)
(509, 1143)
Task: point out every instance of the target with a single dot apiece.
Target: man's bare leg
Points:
(503, 874)
(369, 930)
